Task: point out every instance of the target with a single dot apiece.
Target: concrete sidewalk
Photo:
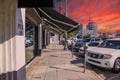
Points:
(57, 64)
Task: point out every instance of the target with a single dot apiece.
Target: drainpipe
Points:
(66, 14)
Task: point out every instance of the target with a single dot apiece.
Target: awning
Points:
(64, 23)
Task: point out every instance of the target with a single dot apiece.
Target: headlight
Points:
(107, 56)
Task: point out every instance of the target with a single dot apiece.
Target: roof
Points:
(63, 22)
(114, 39)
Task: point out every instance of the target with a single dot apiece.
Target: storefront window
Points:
(29, 40)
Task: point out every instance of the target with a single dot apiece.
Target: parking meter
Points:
(85, 56)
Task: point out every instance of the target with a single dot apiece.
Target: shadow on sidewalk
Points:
(65, 69)
(103, 72)
(79, 62)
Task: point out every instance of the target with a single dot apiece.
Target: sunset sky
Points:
(106, 13)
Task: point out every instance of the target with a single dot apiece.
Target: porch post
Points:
(65, 42)
(45, 35)
(40, 38)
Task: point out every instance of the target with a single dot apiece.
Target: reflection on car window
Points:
(79, 41)
(86, 40)
(97, 39)
(92, 40)
(110, 44)
(93, 44)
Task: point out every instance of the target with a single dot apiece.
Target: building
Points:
(80, 27)
(117, 35)
(91, 29)
(78, 31)
(25, 32)
(92, 26)
(85, 32)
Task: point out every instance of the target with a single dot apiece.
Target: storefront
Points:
(23, 35)
(30, 40)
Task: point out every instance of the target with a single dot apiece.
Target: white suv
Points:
(106, 55)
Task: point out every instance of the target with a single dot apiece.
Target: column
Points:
(40, 38)
(48, 37)
(45, 35)
(60, 39)
(12, 41)
(65, 42)
(20, 45)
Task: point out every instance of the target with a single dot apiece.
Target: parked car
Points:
(90, 46)
(106, 55)
(106, 38)
(89, 40)
(93, 44)
(70, 42)
(78, 44)
(28, 41)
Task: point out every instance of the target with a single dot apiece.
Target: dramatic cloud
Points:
(106, 13)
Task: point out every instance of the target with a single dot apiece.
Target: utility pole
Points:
(66, 14)
(60, 5)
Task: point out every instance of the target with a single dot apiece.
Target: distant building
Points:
(80, 27)
(79, 31)
(85, 32)
(92, 28)
(117, 34)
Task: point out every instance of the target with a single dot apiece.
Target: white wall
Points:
(20, 38)
(12, 46)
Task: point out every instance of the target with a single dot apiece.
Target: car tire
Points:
(116, 67)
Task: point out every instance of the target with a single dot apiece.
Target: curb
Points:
(97, 75)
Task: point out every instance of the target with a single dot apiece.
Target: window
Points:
(29, 40)
(86, 40)
(93, 44)
(97, 39)
(114, 44)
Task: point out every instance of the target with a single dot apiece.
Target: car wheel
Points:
(117, 65)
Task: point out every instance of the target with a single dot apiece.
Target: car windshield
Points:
(114, 44)
(79, 41)
(97, 39)
(86, 40)
(93, 44)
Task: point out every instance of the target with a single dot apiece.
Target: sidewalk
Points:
(57, 64)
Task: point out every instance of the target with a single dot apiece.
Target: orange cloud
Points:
(104, 12)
